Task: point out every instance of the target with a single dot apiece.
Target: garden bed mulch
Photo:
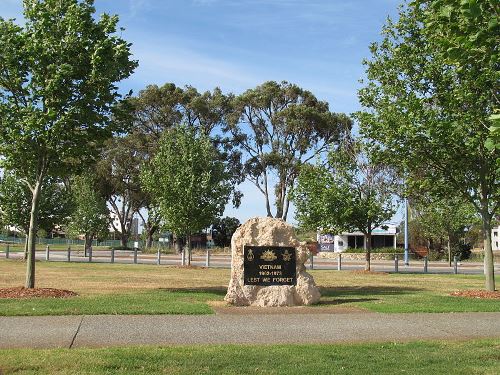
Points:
(20, 292)
(477, 294)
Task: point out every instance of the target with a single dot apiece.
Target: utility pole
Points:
(407, 260)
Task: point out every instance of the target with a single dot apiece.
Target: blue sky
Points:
(238, 44)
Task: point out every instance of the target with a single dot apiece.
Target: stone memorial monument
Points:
(267, 266)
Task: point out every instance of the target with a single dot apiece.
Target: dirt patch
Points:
(477, 294)
(364, 272)
(223, 308)
(21, 292)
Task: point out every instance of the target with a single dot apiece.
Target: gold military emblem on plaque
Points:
(268, 256)
(287, 256)
(250, 255)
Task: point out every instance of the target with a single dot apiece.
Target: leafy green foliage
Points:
(187, 180)
(349, 193)
(15, 201)
(223, 230)
(57, 91)
(91, 215)
(428, 108)
(442, 223)
(147, 116)
(279, 127)
(57, 85)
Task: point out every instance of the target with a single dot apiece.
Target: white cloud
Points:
(171, 61)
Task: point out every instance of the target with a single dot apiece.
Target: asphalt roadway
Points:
(297, 325)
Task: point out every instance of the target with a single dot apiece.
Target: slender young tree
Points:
(188, 181)
(155, 111)
(350, 192)
(58, 73)
(429, 103)
(91, 215)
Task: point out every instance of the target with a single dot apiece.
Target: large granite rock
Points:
(269, 232)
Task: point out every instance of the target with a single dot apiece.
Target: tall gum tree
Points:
(278, 128)
(57, 87)
(428, 104)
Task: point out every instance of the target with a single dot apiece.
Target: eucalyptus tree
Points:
(57, 87)
(349, 193)
(279, 127)
(432, 86)
(188, 182)
(119, 174)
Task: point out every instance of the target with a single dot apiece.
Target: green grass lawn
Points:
(148, 289)
(431, 357)
(141, 302)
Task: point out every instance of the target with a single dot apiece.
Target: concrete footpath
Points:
(260, 328)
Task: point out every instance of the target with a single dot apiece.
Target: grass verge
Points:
(149, 289)
(426, 357)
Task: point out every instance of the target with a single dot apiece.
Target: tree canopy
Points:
(57, 90)
(223, 230)
(279, 127)
(90, 216)
(349, 193)
(188, 181)
(428, 104)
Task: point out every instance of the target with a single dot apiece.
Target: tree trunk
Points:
(188, 246)
(88, 243)
(489, 271)
(123, 240)
(30, 269)
(266, 190)
(449, 250)
(368, 250)
(149, 240)
(26, 242)
(179, 243)
(287, 206)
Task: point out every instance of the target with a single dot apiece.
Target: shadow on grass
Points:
(220, 291)
(360, 291)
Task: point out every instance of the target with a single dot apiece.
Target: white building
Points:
(495, 238)
(381, 237)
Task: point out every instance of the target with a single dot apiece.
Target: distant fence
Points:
(72, 242)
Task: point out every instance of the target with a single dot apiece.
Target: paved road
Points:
(113, 330)
(224, 261)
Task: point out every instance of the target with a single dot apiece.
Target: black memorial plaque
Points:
(269, 265)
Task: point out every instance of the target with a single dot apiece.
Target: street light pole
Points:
(407, 261)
